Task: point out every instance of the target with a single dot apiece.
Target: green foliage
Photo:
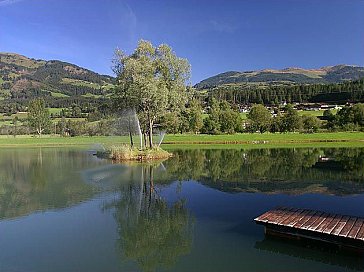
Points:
(358, 110)
(222, 118)
(347, 118)
(230, 119)
(62, 127)
(311, 123)
(274, 94)
(212, 122)
(151, 81)
(260, 118)
(194, 114)
(291, 120)
(188, 119)
(276, 124)
(174, 123)
(38, 116)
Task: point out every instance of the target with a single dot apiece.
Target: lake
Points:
(63, 209)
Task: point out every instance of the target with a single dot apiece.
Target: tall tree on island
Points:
(152, 81)
(38, 115)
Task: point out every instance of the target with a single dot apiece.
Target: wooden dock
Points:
(347, 231)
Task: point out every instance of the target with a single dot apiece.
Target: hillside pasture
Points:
(78, 82)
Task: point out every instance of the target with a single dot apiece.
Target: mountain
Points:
(22, 78)
(288, 76)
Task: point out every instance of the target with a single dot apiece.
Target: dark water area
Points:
(66, 210)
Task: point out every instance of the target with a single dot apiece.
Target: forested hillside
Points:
(65, 85)
(336, 84)
(60, 83)
(288, 76)
(340, 93)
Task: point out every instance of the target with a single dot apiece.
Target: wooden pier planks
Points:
(340, 225)
(315, 222)
(355, 229)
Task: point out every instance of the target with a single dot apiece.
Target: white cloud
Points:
(8, 2)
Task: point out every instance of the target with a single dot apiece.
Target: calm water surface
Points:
(65, 210)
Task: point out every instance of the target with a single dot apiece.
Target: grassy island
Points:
(126, 153)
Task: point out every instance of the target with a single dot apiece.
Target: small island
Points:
(121, 153)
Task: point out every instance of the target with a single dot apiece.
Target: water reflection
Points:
(165, 216)
(40, 179)
(312, 250)
(291, 170)
(152, 232)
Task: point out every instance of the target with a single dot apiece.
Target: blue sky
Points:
(215, 36)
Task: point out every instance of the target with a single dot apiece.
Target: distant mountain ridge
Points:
(287, 76)
(23, 78)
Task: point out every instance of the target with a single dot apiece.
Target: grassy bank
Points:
(56, 141)
(266, 138)
(171, 141)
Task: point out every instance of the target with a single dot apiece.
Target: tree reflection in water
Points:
(40, 179)
(338, 171)
(151, 231)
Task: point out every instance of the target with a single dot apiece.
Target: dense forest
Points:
(338, 93)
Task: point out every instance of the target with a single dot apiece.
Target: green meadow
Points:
(190, 140)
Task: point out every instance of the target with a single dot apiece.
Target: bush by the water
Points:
(127, 153)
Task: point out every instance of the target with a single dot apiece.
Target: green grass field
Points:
(78, 82)
(72, 119)
(315, 113)
(6, 122)
(20, 115)
(108, 86)
(255, 138)
(56, 141)
(348, 139)
(54, 110)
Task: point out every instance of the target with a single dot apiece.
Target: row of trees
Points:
(221, 118)
(188, 119)
(273, 95)
(347, 118)
(262, 120)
